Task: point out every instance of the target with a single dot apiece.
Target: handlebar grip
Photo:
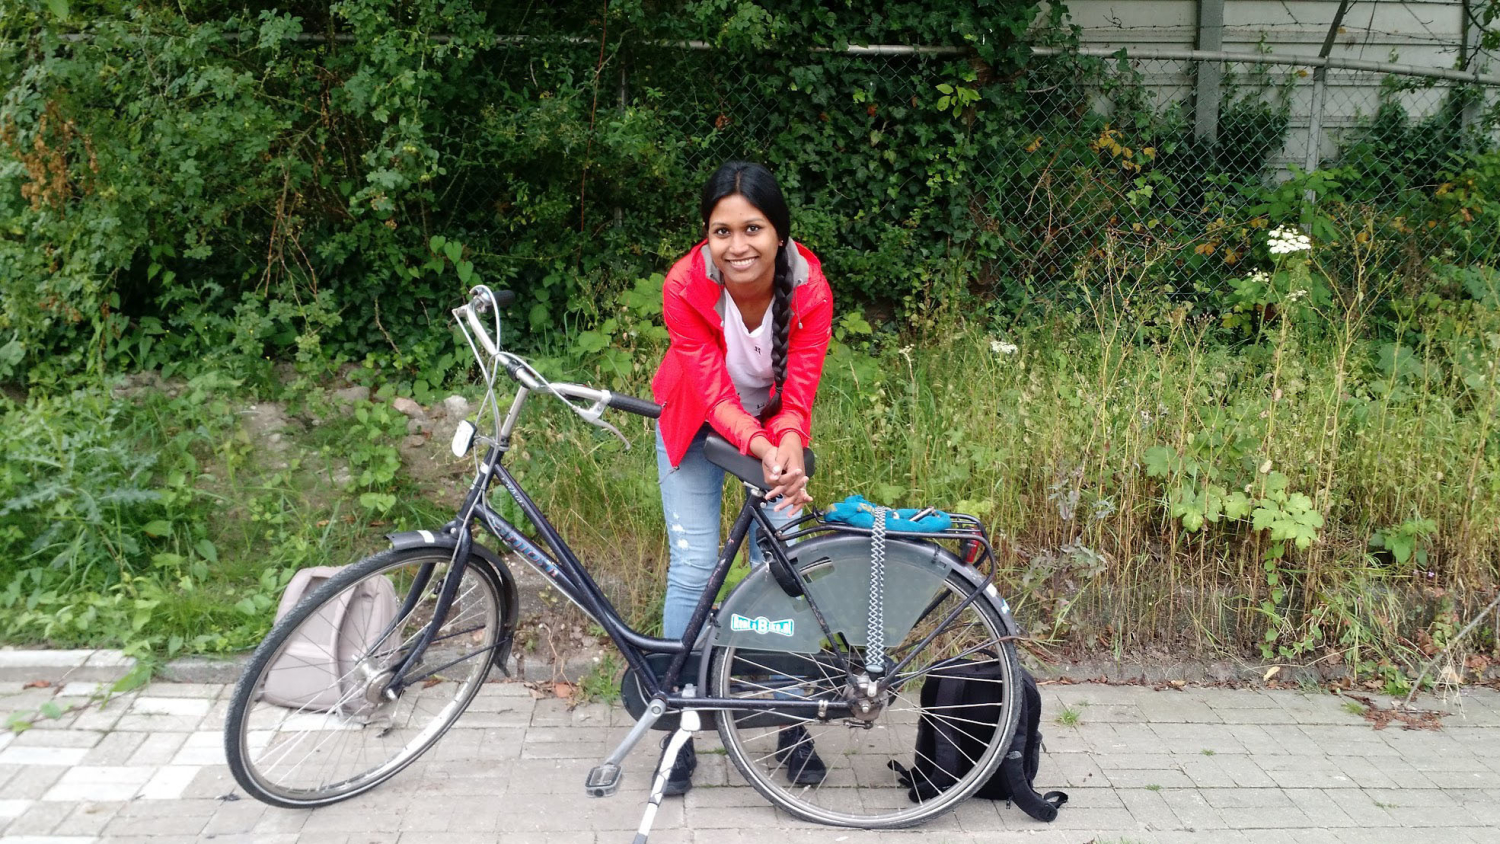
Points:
(631, 404)
(504, 298)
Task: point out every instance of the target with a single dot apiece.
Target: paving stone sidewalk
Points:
(1197, 764)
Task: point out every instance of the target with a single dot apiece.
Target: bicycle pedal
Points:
(603, 780)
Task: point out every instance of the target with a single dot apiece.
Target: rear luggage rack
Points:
(969, 540)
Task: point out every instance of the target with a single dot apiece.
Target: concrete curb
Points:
(204, 669)
(101, 665)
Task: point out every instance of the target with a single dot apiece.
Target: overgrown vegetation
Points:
(1303, 469)
(224, 183)
(211, 216)
(165, 521)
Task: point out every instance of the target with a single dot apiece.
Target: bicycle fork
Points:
(446, 593)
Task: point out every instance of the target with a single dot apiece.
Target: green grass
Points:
(602, 683)
(160, 523)
(1070, 716)
(1103, 454)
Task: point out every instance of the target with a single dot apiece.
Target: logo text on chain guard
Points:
(761, 625)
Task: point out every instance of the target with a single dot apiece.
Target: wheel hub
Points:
(377, 683)
(867, 698)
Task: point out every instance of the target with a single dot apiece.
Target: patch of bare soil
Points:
(1409, 718)
(426, 452)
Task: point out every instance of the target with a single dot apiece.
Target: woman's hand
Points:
(784, 470)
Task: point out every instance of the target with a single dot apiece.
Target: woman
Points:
(749, 315)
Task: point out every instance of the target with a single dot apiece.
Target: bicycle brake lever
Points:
(595, 416)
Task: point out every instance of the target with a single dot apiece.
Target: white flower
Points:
(1285, 241)
(1000, 347)
(1260, 277)
(1295, 295)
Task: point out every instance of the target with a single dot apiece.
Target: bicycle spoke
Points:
(340, 742)
(860, 788)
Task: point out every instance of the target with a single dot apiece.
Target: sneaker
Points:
(680, 778)
(794, 749)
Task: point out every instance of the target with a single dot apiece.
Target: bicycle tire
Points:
(255, 728)
(860, 789)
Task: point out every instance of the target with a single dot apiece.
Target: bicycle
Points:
(826, 635)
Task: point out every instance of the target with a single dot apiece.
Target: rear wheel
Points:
(861, 788)
(348, 737)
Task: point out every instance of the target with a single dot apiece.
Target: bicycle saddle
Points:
(720, 453)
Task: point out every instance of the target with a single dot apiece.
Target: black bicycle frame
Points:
(569, 576)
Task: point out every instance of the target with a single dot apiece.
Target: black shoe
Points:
(680, 779)
(794, 748)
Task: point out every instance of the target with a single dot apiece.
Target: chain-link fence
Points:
(898, 159)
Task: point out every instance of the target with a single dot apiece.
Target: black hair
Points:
(756, 184)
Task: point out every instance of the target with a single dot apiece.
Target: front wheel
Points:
(308, 722)
(861, 787)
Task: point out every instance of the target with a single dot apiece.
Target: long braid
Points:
(781, 326)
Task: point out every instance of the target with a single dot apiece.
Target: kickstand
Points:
(690, 724)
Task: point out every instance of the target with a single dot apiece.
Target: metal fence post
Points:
(1469, 57)
(1314, 141)
(1208, 92)
(1315, 120)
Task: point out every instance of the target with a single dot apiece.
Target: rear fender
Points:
(759, 614)
(441, 539)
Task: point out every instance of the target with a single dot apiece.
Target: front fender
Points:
(509, 598)
(759, 614)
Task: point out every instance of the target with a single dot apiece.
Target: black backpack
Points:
(947, 746)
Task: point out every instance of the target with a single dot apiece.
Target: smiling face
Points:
(743, 243)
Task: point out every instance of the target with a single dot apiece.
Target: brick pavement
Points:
(1199, 764)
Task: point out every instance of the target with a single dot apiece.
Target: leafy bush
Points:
(151, 517)
(104, 509)
(315, 184)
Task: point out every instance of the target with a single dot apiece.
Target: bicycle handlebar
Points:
(631, 404)
(481, 333)
(483, 300)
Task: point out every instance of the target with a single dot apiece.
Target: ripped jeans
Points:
(691, 498)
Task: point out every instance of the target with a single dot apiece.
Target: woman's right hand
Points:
(783, 471)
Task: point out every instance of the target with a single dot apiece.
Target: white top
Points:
(747, 354)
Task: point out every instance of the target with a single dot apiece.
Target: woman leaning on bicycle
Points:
(749, 314)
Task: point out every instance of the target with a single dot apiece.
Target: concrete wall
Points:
(1420, 33)
(1425, 34)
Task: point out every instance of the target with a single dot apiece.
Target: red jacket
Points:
(693, 385)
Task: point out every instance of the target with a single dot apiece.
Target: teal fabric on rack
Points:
(856, 511)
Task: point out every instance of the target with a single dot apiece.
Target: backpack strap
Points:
(1028, 737)
(946, 753)
(1022, 759)
(1042, 807)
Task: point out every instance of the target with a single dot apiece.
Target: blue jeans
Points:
(691, 497)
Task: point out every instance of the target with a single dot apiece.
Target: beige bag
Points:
(316, 670)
